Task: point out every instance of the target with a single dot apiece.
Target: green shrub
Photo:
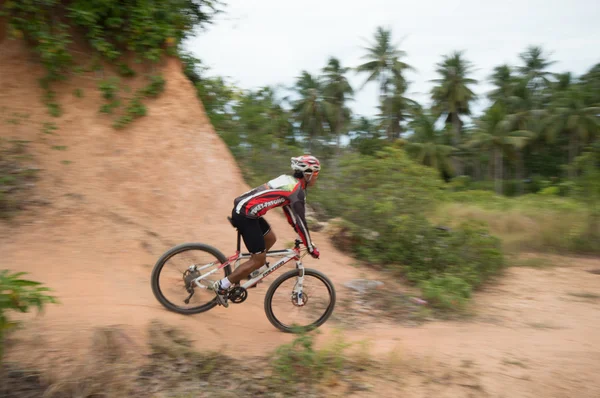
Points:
(300, 362)
(109, 88)
(550, 191)
(391, 195)
(371, 191)
(17, 294)
(155, 87)
(446, 292)
(113, 29)
(545, 221)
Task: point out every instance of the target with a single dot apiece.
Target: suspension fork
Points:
(299, 282)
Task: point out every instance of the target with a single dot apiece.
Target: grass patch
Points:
(300, 363)
(49, 128)
(532, 262)
(531, 223)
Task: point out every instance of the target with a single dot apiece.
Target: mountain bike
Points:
(193, 278)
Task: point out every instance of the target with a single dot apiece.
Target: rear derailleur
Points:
(189, 276)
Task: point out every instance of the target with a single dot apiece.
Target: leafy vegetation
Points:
(114, 32)
(300, 363)
(389, 194)
(18, 294)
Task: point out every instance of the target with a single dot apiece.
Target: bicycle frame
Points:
(286, 254)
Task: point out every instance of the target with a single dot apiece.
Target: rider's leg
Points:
(270, 239)
(220, 287)
(255, 262)
(253, 232)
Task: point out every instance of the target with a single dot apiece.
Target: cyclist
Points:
(284, 191)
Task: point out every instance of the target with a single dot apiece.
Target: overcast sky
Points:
(266, 42)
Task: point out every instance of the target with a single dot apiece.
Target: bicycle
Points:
(194, 278)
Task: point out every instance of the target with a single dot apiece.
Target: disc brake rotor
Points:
(303, 299)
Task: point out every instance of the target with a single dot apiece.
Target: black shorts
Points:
(253, 231)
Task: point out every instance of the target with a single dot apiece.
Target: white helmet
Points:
(306, 163)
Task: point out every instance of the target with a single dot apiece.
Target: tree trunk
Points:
(572, 153)
(456, 131)
(458, 167)
(384, 105)
(498, 169)
(519, 171)
(339, 129)
(477, 166)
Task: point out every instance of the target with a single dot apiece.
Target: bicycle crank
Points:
(238, 295)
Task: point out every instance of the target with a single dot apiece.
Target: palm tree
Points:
(492, 133)
(452, 95)
(366, 136)
(310, 107)
(591, 83)
(337, 91)
(504, 84)
(280, 125)
(524, 115)
(383, 65)
(534, 71)
(572, 117)
(396, 109)
(428, 144)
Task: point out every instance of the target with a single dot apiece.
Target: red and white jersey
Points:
(284, 191)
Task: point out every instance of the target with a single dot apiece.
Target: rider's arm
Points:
(289, 215)
(301, 225)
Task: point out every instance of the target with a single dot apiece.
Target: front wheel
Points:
(310, 310)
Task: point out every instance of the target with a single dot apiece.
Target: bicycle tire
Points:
(290, 274)
(170, 253)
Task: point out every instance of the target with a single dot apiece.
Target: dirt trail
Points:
(127, 196)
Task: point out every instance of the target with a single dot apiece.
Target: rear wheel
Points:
(281, 301)
(172, 276)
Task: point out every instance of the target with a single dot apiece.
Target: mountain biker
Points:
(284, 191)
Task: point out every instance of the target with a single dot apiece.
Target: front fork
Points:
(297, 298)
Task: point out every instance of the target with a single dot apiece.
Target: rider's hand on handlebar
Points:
(315, 252)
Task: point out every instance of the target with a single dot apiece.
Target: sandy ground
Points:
(127, 196)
